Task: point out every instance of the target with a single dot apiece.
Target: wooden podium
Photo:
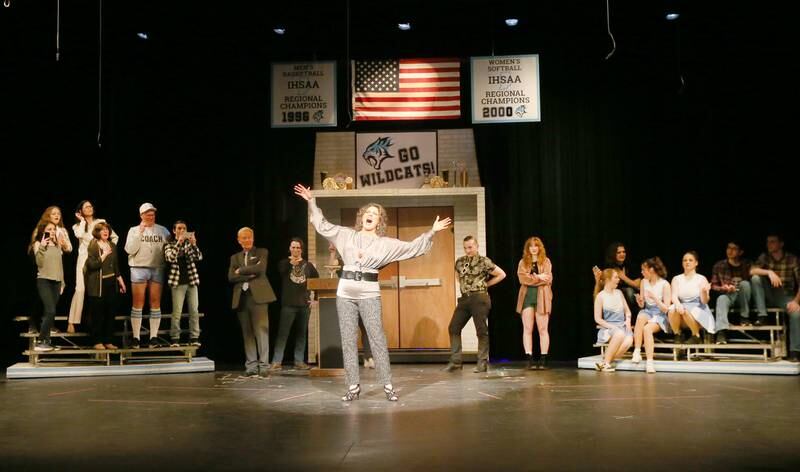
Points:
(329, 341)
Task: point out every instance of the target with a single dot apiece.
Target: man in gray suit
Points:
(251, 295)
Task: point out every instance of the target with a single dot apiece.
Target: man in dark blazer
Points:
(251, 295)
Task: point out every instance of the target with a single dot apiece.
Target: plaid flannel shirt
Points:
(726, 274)
(172, 252)
(787, 269)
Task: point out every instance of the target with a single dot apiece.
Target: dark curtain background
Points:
(626, 150)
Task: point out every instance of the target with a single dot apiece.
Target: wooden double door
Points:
(417, 295)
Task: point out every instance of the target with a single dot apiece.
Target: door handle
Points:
(402, 282)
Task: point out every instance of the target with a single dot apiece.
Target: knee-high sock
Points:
(155, 322)
(136, 322)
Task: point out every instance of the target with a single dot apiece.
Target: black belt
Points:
(358, 275)
(474, 292)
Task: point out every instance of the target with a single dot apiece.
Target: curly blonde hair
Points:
(380, 230)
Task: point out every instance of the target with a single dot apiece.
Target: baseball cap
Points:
(145, 207)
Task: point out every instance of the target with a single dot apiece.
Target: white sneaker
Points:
(603, 367)
(650, 367)
(637, 356)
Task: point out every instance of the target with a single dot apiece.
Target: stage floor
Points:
(509, 419)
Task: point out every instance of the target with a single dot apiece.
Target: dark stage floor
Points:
(510, 419)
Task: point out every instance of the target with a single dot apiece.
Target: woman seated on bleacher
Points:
(613, 316)
(690, 295)
(654, 300)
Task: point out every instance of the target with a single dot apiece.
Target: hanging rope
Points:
(58, 30)
(608, 27)
(100, 79)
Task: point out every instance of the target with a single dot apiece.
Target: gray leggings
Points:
(348, 310)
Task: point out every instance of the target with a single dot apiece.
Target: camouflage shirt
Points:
(473, 272)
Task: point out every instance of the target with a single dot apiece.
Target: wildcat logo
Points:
(520, 111)
(377, 152)
(318, 116)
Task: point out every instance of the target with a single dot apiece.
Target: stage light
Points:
(404, 26)
(512, 21)
(672, 16)
(279, 31)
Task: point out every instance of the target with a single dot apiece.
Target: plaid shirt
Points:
(725, 274)
(172, 252)
(787, 269)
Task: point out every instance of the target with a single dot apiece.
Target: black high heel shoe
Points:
(391, 395)
(352, 393)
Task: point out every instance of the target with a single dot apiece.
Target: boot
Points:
(542, 364)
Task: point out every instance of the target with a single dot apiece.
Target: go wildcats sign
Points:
(395, 160)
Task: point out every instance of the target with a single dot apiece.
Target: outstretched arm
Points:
(328, 230)
(402, 250)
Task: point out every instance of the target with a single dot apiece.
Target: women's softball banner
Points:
(303, 94)
(395, 159)
(505, 89)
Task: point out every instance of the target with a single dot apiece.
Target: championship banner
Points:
(396, 159)
(303, 94)
(505, 89)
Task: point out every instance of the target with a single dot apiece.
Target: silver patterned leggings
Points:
(348, 310)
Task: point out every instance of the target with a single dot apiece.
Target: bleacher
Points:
(71, 357)
(750, 349)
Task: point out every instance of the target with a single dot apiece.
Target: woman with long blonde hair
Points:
(535, 298)
(613, 318)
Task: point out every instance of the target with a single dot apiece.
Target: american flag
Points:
(406, 89)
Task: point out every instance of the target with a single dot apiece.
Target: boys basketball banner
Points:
(505, 89)
(303, 94)
(395, 160)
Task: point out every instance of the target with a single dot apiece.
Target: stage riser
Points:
(24, 370)
(700, 367)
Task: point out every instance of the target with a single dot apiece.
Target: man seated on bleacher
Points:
(775, 280)
(730, 278)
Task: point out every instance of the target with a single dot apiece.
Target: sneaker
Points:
(194, 342)
(43, 347)
(155, 342)
(251, 373)
(745, 322)
(301, 366)
(694, 340)
(722, 338)
(637, 356)
(451, 367)
(650, 367)
(134, 343)
(99, 347)
(175, 343)
(111, 346)
(481, 366)
(678, 339)
(275, 367)
(603, 367)
(760, 321)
